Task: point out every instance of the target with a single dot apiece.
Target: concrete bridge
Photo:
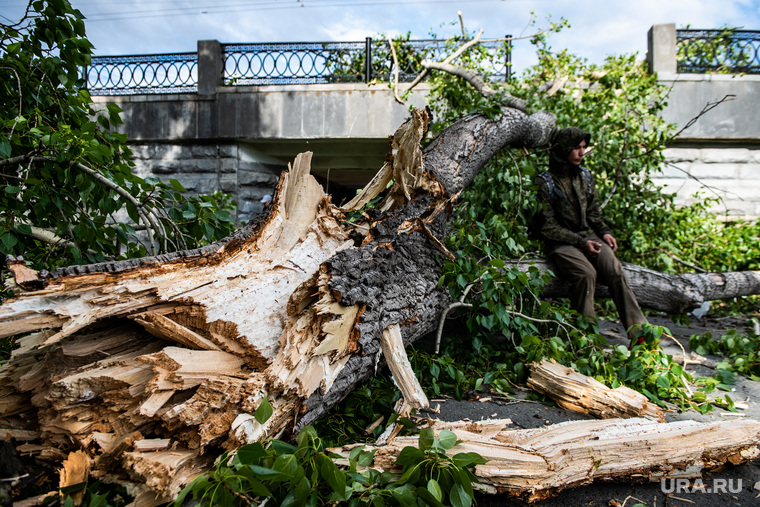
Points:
(236, 137)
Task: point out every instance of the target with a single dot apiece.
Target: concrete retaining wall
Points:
(729, 173)
(719, 155)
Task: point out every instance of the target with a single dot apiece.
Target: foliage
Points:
(508, 325)
(307, 474)
(741, 352)
(68, 192)
(347, 65)
(347, 421)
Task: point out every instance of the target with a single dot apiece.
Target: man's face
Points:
(576, 155)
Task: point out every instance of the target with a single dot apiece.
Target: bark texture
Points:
(152, 366)
(665, 292)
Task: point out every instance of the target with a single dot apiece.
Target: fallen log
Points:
(536, 464)
(579, 393)
(288, 312)
(664, 292)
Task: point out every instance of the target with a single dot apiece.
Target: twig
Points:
(148, 219)
(461, 24)
(464, 47)
(20, 100)
(619, 169)
(436, 242)
(476, 82)
(674, 257)
(395, 71)
(442, 319)
(685, 362)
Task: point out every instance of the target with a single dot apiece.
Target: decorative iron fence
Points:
(726, 51)
(142, 74)
(280, 63)
(331, 62)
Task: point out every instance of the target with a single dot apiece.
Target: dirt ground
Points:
(739, 480)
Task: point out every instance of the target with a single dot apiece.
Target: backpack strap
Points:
(587, 174)
(554, 192)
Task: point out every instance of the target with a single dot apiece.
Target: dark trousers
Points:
(582, 270)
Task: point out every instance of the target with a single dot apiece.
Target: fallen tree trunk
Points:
(664, 292)
(536, 464)
(187, 346)
(290, 310)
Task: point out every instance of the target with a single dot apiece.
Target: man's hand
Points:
(611, 241)
(592, 247)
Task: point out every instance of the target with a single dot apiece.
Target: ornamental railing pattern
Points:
(343, 62)
(281, 63)
(142, 74)
(727, 51)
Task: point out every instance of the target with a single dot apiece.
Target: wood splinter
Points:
(579, 393)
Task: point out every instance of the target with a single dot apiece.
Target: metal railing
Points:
(142, 74)
(343, 62)
(726, 51)
(280, 63)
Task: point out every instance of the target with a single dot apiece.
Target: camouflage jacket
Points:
(570, 211)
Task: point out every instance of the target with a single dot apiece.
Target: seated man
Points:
(577, 240)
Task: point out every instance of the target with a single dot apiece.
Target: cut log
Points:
(579, 393)
(536, 464)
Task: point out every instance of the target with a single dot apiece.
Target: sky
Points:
(598, 28)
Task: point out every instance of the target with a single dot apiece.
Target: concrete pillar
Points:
(210, 66)
(661, 53)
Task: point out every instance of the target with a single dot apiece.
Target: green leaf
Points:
(428, 497)
(465, 459)
(409, 456)
(663, 382)
(334, 476)
(287, 464)
(459, 497)
(435, 489)
(268, 474)
(250, 454)
(447, 439)
(426, 439)
(8, 241)
(176, 185)
(263, 411)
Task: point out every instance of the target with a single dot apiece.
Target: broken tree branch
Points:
(580, 393)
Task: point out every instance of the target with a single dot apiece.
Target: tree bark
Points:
(664, 292)
(186, 346)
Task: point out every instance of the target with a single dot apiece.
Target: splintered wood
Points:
(580, 393)
(151, 369)
(535, 464)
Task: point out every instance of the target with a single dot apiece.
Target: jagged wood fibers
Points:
(184, 347)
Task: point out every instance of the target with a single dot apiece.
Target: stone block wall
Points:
(727, 172)
(205, 168)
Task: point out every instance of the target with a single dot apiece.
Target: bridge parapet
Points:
(277, 63)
